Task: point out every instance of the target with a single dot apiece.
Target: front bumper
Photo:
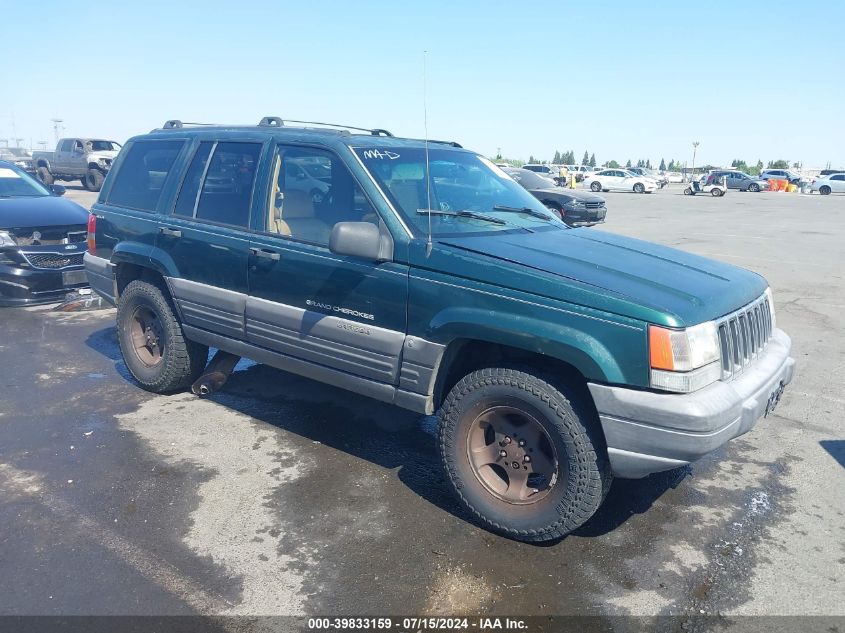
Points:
(32, 286)
(648, 432)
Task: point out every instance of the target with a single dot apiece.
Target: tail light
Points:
(92, 234)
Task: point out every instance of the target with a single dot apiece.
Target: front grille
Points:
(595, 205)
(53, 261)
(743, 335)
(49, 236)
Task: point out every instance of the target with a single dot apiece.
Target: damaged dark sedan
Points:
(574, 207)
(42, 240)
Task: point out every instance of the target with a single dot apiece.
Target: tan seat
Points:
(298, 215)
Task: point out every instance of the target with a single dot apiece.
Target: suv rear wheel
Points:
(154, 348)
(824, 190)
(523, 456)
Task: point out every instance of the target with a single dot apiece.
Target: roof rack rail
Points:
(450, 143)
(175, 124)
(274, 121)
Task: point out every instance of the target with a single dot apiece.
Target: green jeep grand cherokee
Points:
(418, 273)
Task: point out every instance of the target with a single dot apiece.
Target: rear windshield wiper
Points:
(525, 210)
(463, 214)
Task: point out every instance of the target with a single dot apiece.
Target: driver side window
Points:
(312, 191)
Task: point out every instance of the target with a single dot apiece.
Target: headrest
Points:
(297, 204)
(407, 171)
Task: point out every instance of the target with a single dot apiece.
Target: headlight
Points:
(6, 239)
(684, 360)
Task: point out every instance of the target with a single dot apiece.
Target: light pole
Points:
(57, 123)
(695, 145)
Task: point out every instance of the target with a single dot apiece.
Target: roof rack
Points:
(274, 121)
(374, 132)
(431, 140)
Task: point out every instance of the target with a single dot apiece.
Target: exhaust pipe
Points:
(216, 373)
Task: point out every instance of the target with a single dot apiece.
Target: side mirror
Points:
(363, 240)
(58, 190)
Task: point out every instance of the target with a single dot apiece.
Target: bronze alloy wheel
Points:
(512, 455)
(147, 336)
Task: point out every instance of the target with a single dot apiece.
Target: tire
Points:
(595, 187)
(171, 364)
(754, 187)
(638, 188)
(824, 190)
(93, 180)
(688, 191)
(45, 176)
(716, 193)
(555, 492)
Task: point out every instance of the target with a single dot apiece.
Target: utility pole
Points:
(695, 145)
(57, 125)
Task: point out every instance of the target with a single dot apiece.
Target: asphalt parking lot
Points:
(282, 496)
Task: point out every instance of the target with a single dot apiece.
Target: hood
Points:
(575, 194)
(626, 273)
(17, 213)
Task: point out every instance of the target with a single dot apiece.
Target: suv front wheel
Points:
(523, 457)
(154, 348)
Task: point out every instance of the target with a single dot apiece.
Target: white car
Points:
(832, 183)
(674, 176)
(619, 180)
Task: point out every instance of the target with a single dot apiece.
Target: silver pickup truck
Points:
(84, 159)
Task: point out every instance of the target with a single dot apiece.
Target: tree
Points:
(779, 164)
(556, 159)
(586, 159)
(614, 165)
(628, 164)
(531, 159)
(662, 165)
(592, 160)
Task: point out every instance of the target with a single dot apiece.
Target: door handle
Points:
(169, 232)
(262, 252)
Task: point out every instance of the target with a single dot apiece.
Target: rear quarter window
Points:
(140, 181)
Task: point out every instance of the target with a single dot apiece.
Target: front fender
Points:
(586, 345)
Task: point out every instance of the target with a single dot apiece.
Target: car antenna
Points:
(427, 175)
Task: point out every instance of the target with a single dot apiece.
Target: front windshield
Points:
(104, 146)
(459, 181)
(18, 184)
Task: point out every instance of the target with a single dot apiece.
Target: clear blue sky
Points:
(622, 79)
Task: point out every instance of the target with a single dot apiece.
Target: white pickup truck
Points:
(84, 159)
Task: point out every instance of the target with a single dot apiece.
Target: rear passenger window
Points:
(227, 189)
(140, 179)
